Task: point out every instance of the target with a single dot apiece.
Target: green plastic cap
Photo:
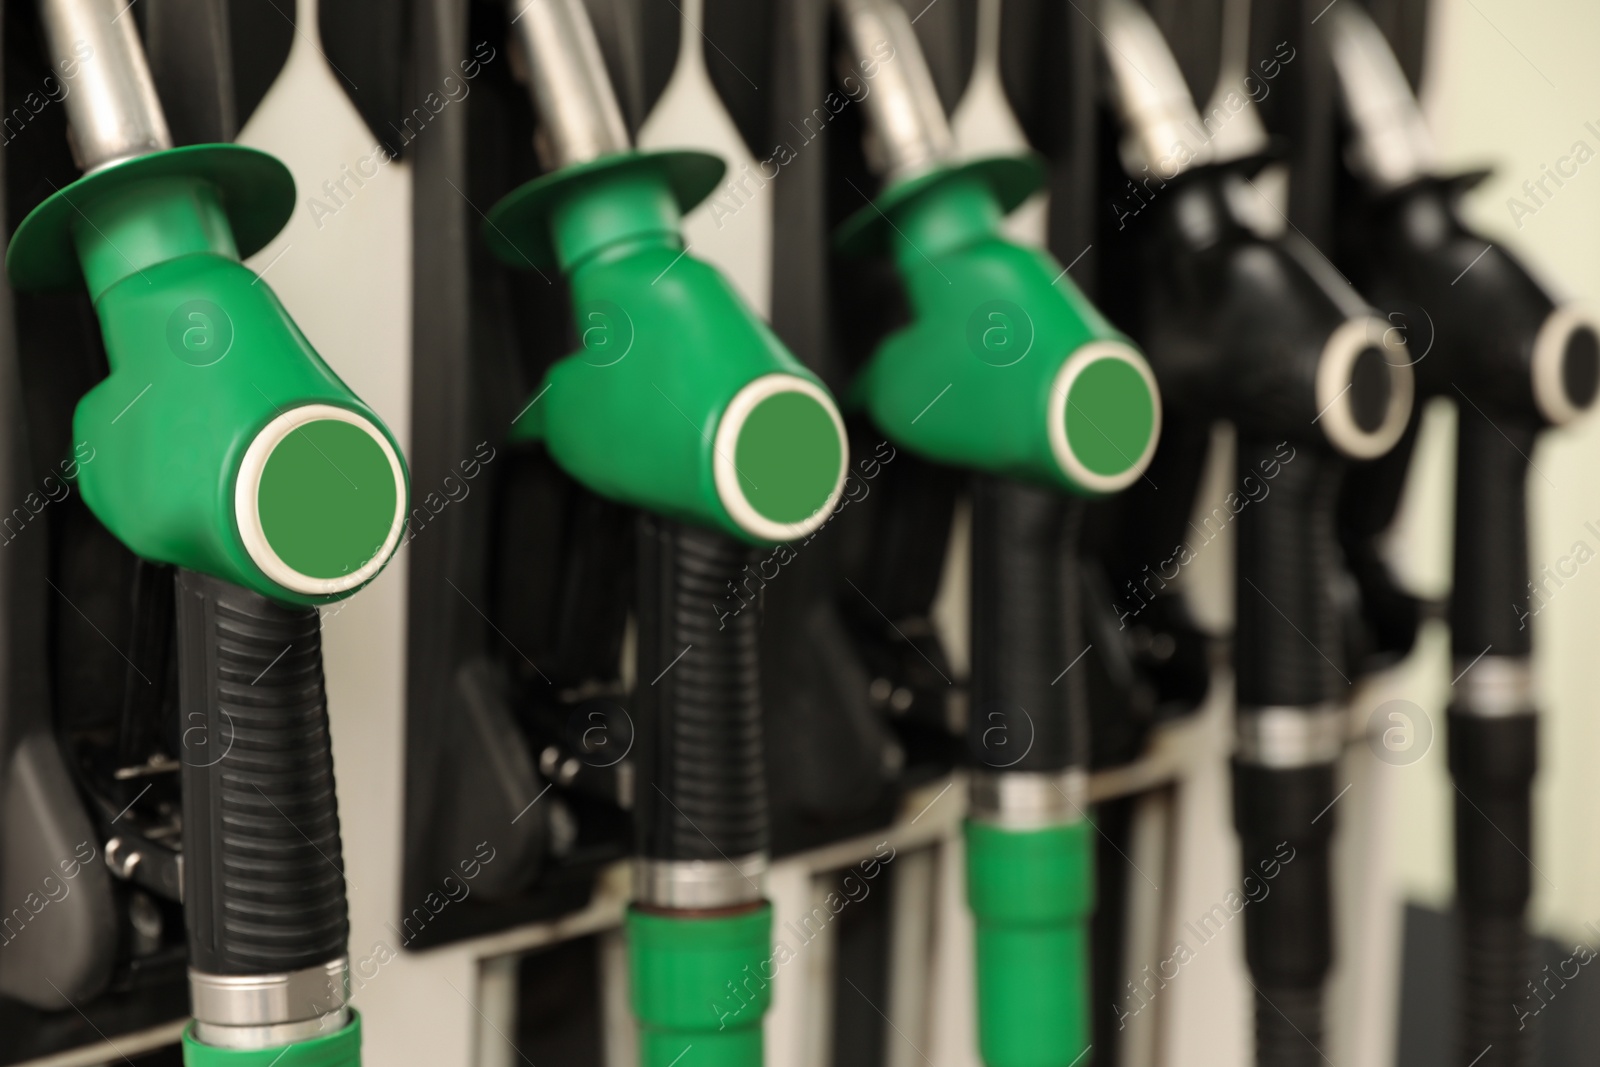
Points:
(319, 499)
(1005, 366)
(1105, 416)
(681, 401)
(780, 457)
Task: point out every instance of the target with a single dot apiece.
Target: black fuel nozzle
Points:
(1263, 332)
(1516, 363)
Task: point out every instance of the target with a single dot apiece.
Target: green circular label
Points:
(327, 498)
(788, 456)
(1110, 415)
(199, 332)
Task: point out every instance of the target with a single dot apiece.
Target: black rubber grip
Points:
(1491, 544)
(1285, 819)
(1493, 761)
(702, 788)
(263, 877)
(1288, 1027)
(1496, 968)
(1029, 713)
(1288, 644)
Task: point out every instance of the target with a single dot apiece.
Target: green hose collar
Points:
(1032, 895)
(703, 983)
(341, 1049)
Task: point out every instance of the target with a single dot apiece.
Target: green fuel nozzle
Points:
(680, 399)
(224, 443)
(1008, 371)
(1005, 367)
(226, 447)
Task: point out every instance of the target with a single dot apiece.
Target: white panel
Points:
(910, 957)
(733, 228)
(955, 1033)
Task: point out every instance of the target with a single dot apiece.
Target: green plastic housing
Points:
(1005, 367)
(702, 982)
(205, 363)
(680, 399)
(1032, 897)
(340, 1049)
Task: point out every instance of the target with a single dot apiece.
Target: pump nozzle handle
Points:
(232, 451)
(578, 112)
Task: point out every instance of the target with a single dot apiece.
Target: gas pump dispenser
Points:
(1250, 329)
(229, 450)
(705, 422)
(1004, 370)
(1516, 364)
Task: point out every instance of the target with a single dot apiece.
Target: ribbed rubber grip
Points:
(1288, 643)
(1027, 715)
(1493, 761)
(702, 788)
(263, 877)
(1288, 1027)
(1491, 543)
(1496, 966)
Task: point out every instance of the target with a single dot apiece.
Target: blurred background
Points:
(1508, 84)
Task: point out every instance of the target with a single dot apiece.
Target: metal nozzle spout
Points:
(579, 116)
(909, 131)
(113, 112)
(1390, 145)
(1161, 125)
